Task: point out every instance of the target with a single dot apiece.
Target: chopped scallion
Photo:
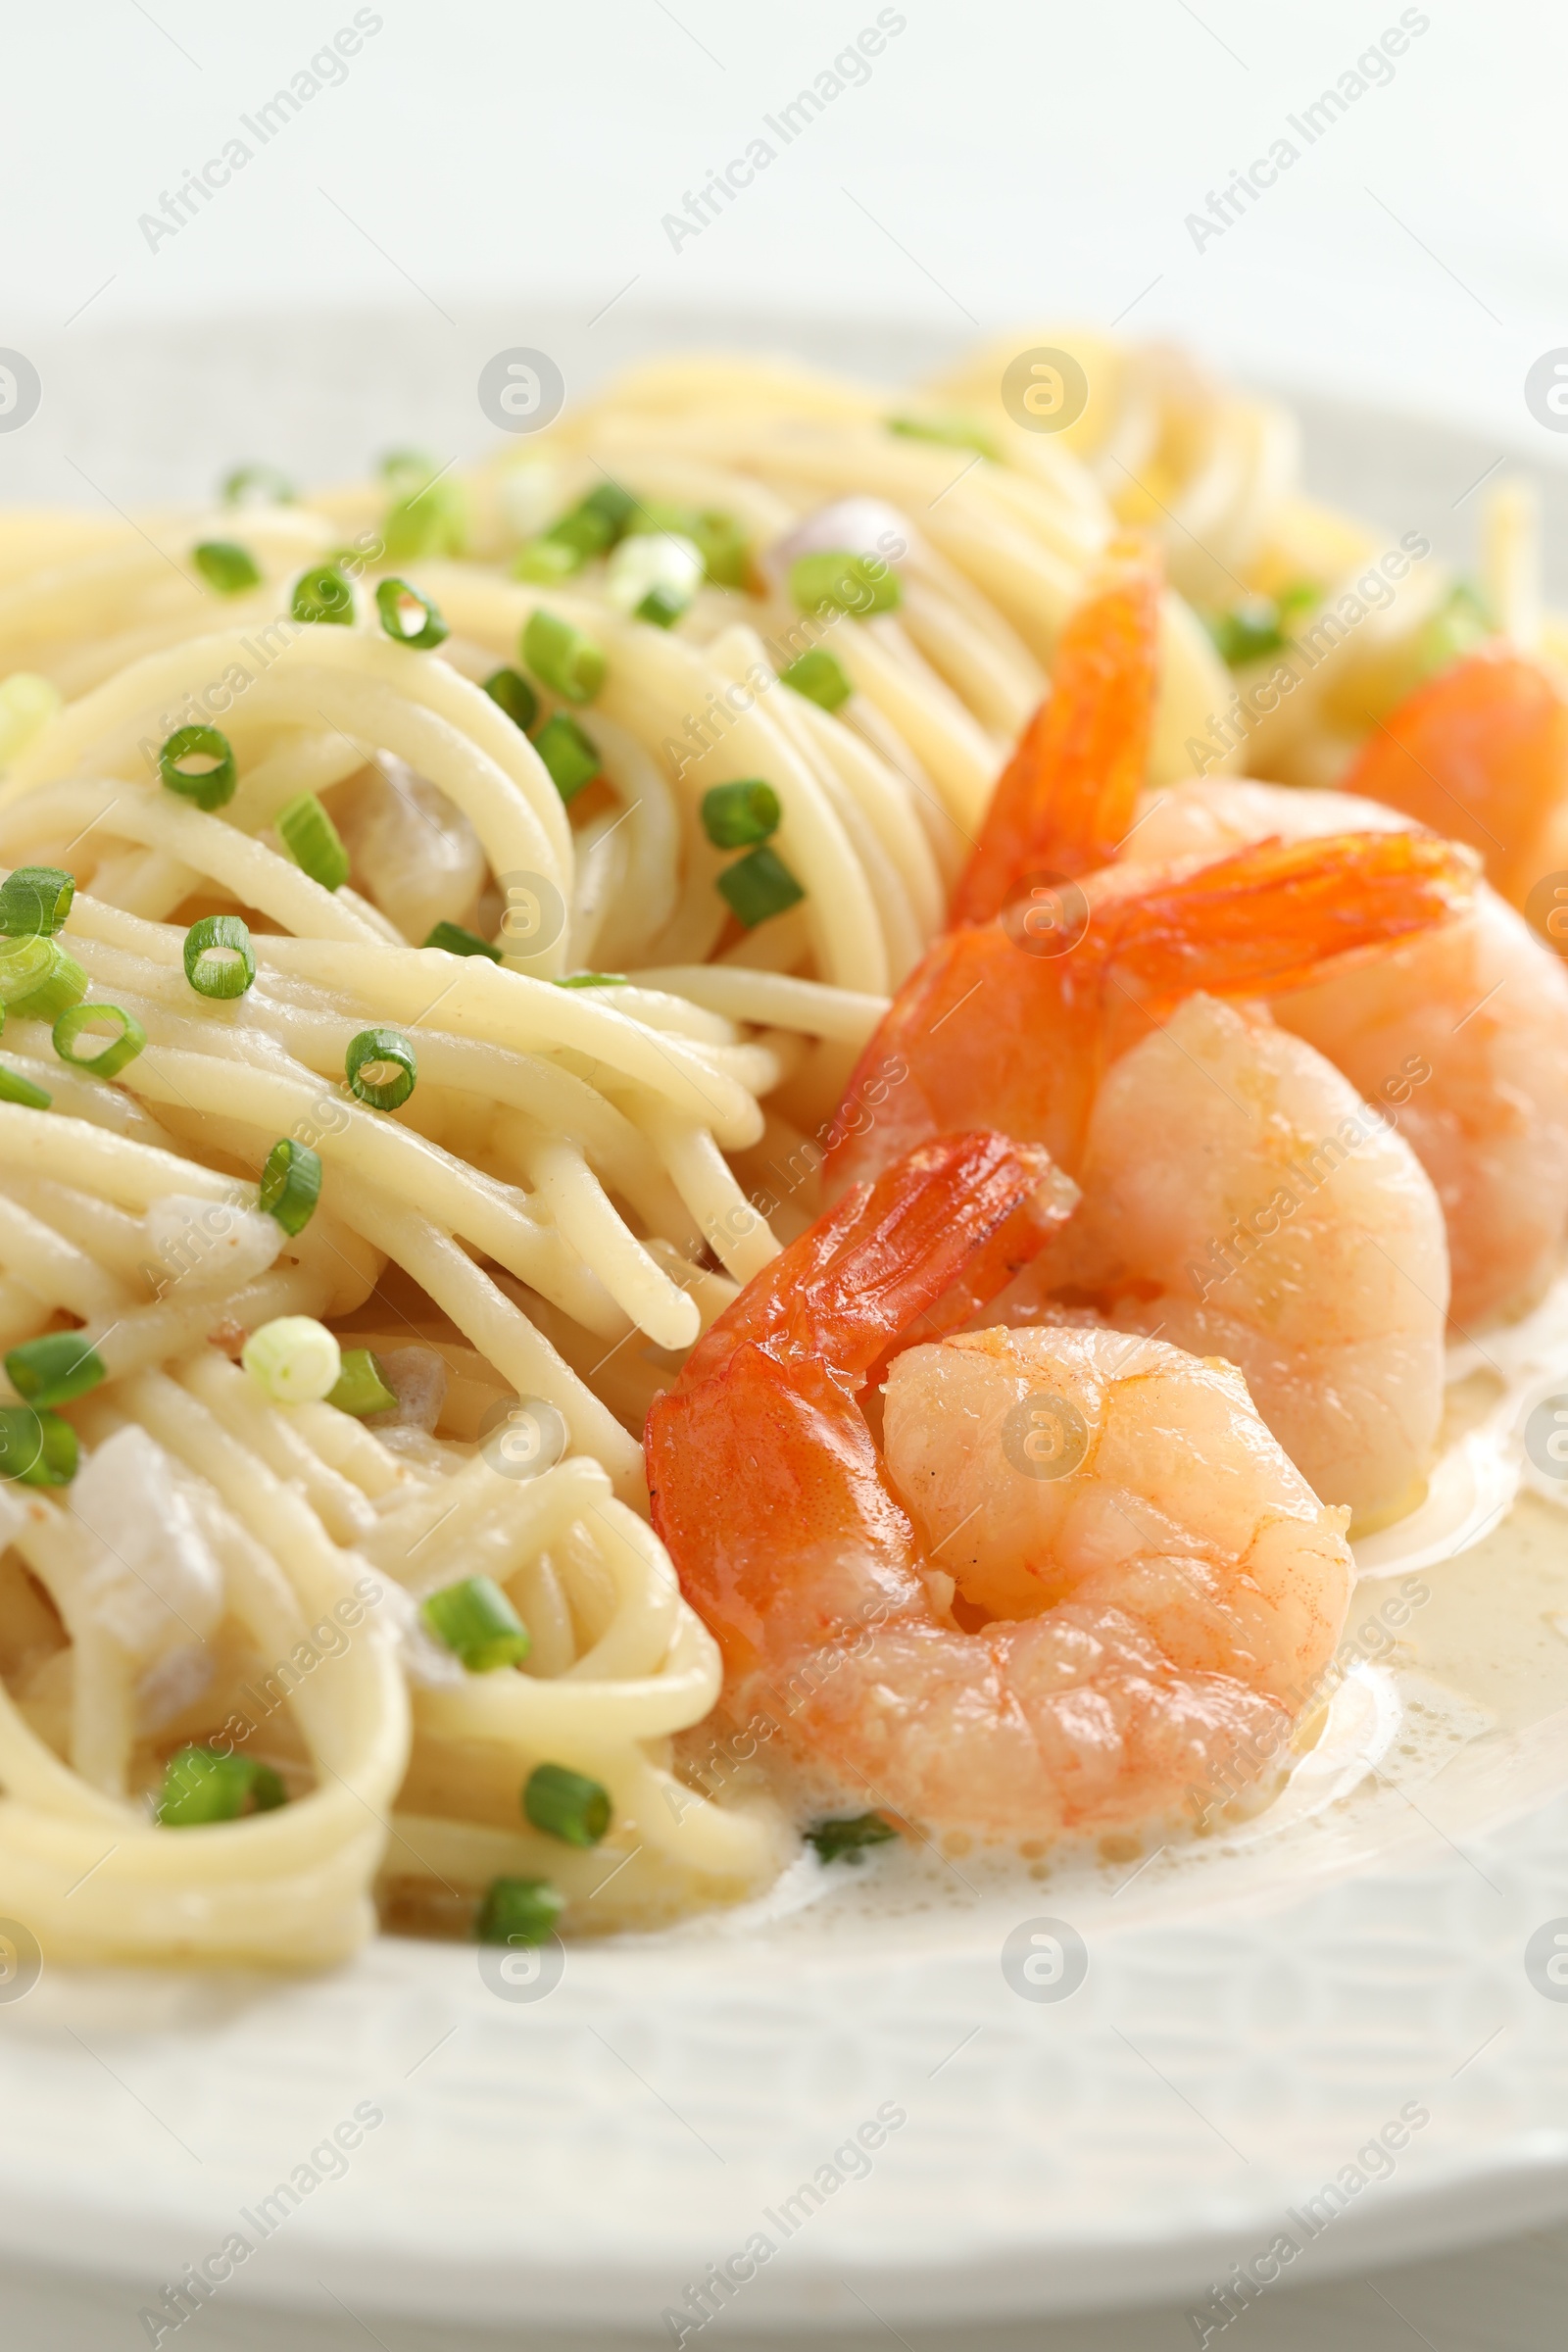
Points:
(14, 1088)
(202, 1785)
(569, 664)
(719, 538)
(198, 763)
(460, 942)
(322, 594)
(219, 959)
(849, 1839)
(37, 1450)
(312, 841)
(571, 757)
(257, 486)
(126, 1043)
(547, 561)
(35, 900)
(292, 1184)
(55, 1368)
(567, 1805)
(476, 1621)
(519, 1911)
(226, 565)
(735, 815)
(820, 676)
(954, 432)
(362, 1385)
(517, 698)
(399, 604)
(382, 1068)
(592, 980)
(294, 1358)
(757, 886)
(38, 980)
(844, 582)
(655, 576)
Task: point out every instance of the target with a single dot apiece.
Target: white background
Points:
(1014, 162)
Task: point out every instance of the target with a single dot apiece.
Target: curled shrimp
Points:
(1463, 1031)
(1238, 1194)
(1479, 753)
(1082, 1582)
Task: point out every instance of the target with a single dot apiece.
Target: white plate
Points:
(1244, 2026)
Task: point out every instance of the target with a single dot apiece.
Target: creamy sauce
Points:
(1451, 1712)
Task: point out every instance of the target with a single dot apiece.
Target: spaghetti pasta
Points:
(623, 1053)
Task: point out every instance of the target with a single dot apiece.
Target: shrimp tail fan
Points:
(1065, 800)
(927, 1245)
(1275, 915)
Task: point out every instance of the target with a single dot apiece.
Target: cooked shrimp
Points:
(1235, 1187)
(1463, 1031)
(1149, 1591)
(1066, 797)
(1479, 752)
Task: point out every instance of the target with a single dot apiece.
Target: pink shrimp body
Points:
(1463, 1031)
(1084, 1585)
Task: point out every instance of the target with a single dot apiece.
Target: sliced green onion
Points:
(397, 604)
(322, 594)
(571, 757)
(202, 1785)
(218, 961)
(662, 608)
(573, 539)
(1246, 632)
(565, 1804)
(226, 565)
(820, 676)
(382, 1068)
(38, 980)
(35, 900)
(954, 432)
(592, 980)
(292, 1184)
(362, 1385)
(460, 942)
(832, 1839)
(125, 1046)
(719, 537)
(734, 815)
(569, 664)
(519, 1911)
(477, 1621)
(257, 486)
(54, 1369)
(405, 467)
(294, 1358)
(655, 576)
(844, 582)
(37, 1450)
(548, 561)
(198, 763)
(14, 1088)
(1457, 625)
(312, 841)
(757, 886)
(613, 506)
(517, 698)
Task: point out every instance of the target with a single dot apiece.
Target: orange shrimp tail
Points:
(764, 1478)
(1479, 753)
(1066, 798)
(1271, 918)
(933, 1240)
